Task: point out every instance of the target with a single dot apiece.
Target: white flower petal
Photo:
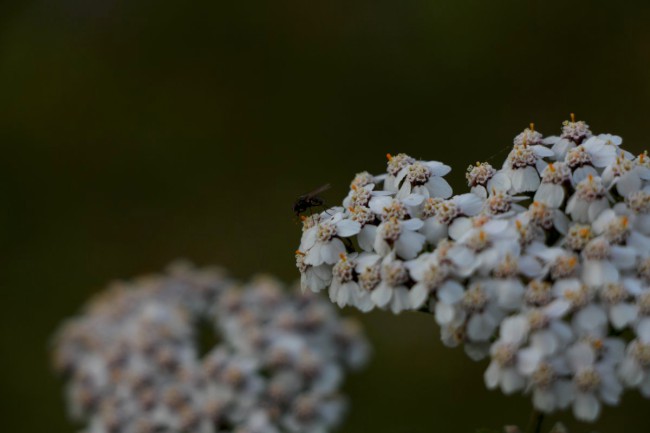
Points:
(492, 375)
(550, 194)
(628, 183)
(525, 179)
(409, 244)
(444, 313)
(500, 182)
(591, 319)
(514, 329)
(367, 237)
(413, 199)
(580, 355)
(400, 301)
(346, 228)
(480, 327)
(511, 381)
(630, 372)
(412, 224)
(544, 400)
(622, 315)
(438, 187)
(381, 295)
(528, 360)
(459, 227)
(438, 168)
(586, 407)
(450, 292)
(469, 204)
(418, 295)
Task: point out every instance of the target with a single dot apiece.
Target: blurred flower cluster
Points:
(134, 362)
(557, 428)
(543, 266)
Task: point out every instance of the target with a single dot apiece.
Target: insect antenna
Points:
(498, 153)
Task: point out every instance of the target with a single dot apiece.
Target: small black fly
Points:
(311, 199)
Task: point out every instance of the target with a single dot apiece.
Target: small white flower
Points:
(322, 243)
(618, 300)
(482, 248)
(634, 370)
(551, 391)
(638, 203)
(425, 179)
(604, 261)
(588, 201)
(578, 236)
(400, 237)
(394, 166)
(392, 291)
(570, 295)
(528, 137)
(625, 175)
(602, 153)
(573, 133)
(502, 204)
(523, 165)
(593, 382)
(430, 276)
(361, 195)
(482, 178)
(502, 371)
(344, 287)
(551, 191)
(475, 306)
(547, 217)
(314, 278)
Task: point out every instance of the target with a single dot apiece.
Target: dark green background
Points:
(135, 132)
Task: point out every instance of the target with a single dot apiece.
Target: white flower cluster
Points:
(133, 362)
(543, 266)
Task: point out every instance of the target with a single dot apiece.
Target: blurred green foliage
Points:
(135, 132)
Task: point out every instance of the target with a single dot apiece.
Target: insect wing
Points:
(317, 190)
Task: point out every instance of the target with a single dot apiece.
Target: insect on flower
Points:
(307, 201)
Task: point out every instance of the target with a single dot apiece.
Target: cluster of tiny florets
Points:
(543, 266)
(133, 361)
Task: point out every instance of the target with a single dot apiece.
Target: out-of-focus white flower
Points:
(132, 360)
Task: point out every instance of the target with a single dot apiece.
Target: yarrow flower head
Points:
(543, 266)
(133, 362)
